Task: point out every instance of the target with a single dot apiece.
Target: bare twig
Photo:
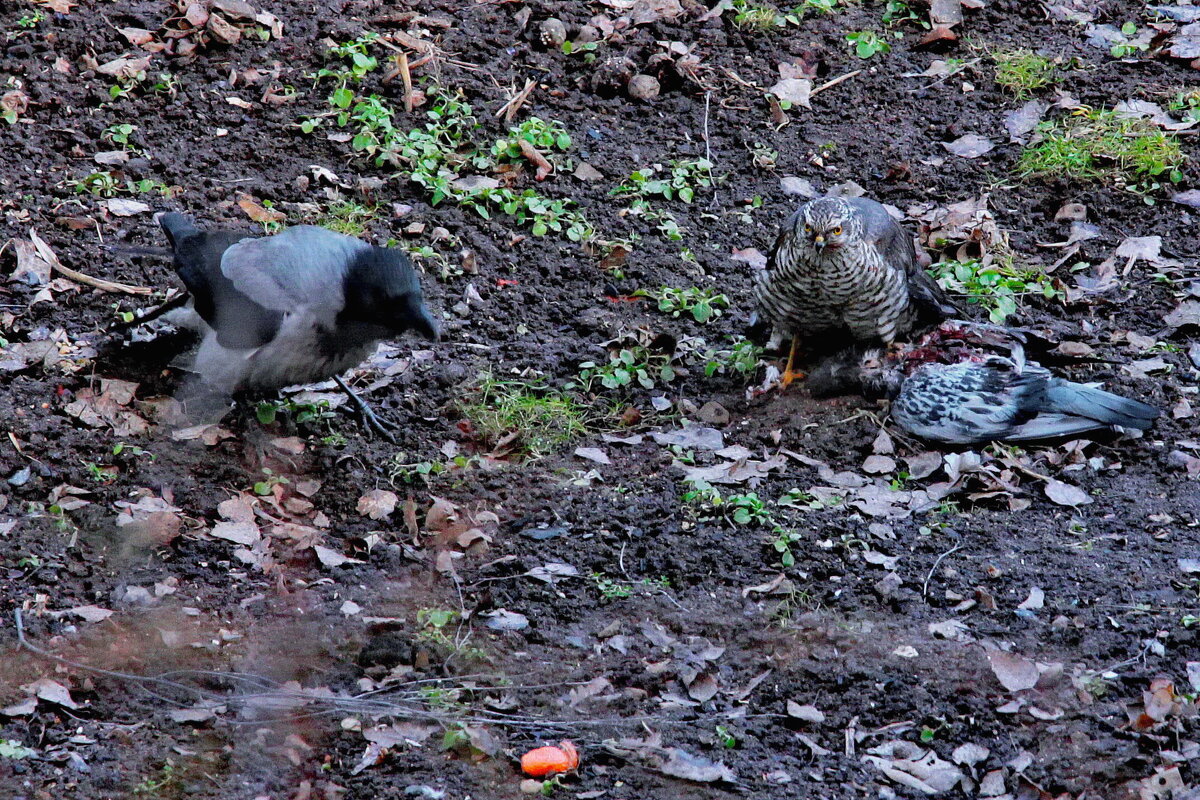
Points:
(834, 82)
(933, 569)
(544, 167)
(406, 77)
(509, 110)
(105, 286)
(707, 143)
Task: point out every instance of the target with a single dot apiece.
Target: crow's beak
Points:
(426, 325)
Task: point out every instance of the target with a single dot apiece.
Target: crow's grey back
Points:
(301, 267)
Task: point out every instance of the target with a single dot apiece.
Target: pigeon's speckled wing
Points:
(301, 267)
(995, 399)
(896, 246)
(965, 403)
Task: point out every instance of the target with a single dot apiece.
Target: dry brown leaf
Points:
(52, 692)
(1064, 494)
(125, 67)
(257, 213)
(244, 533)
(1014, 672)
(377, 503)
(332, 558)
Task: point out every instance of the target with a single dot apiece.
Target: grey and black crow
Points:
(843, 265)
(967, 383)
(301, 306)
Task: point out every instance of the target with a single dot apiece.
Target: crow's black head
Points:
(381, 288)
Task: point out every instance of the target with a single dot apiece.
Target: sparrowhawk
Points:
(843, 265)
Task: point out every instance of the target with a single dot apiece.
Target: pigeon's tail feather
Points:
(177, 226)
(1053, 426)
(1076, 399)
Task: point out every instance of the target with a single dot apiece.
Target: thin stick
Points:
(406, 77)
(933, 569)
(707, 144)
(509, 110)
(105, 286)
(834, 82)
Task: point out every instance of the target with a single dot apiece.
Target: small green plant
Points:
(166, 84)
(703, 304)
(681, 178)
(105, 184)
(534, 418)
(609, 588)
(437, 628)
(98, 473)
(782, 544)
(585, 49)
(816, 6)
(30, 21)
(349, 217)
(33, 561)
(268, 411)
(703, 496)
(158, 785)
(11, 748)
(742, 358)
(400, 470)
(899, 12)
(1023, 72)
(626, 367)
(126, 83)
(868, 44)
(541, 134)
(725, 737)
(131, 449)
(797, 498)
(119, 133)
(1128, 47)
(270, 480)
(997, 286)
(750, 15)
(357, 52)
(97, 184)
(664, 221)
(1187, 104)
(763, 156)
(442, 158)
(747, 509)
(1099, 144)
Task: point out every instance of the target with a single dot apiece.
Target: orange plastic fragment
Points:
(544, 760)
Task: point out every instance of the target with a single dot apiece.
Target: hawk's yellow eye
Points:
(808, 228)
(837, 231)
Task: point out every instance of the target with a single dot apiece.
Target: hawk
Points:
(843, 267)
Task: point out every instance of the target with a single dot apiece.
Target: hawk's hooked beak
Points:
(819, 241)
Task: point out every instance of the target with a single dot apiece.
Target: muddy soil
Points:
(509, 602)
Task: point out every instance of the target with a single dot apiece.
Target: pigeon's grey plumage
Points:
(844, 265)
(955, 386)
(301, 306)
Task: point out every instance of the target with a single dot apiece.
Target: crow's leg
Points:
(790, 374)
(370, 420)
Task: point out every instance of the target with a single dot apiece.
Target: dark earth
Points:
(674, 644)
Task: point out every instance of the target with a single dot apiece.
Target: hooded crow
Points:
(301, 306)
